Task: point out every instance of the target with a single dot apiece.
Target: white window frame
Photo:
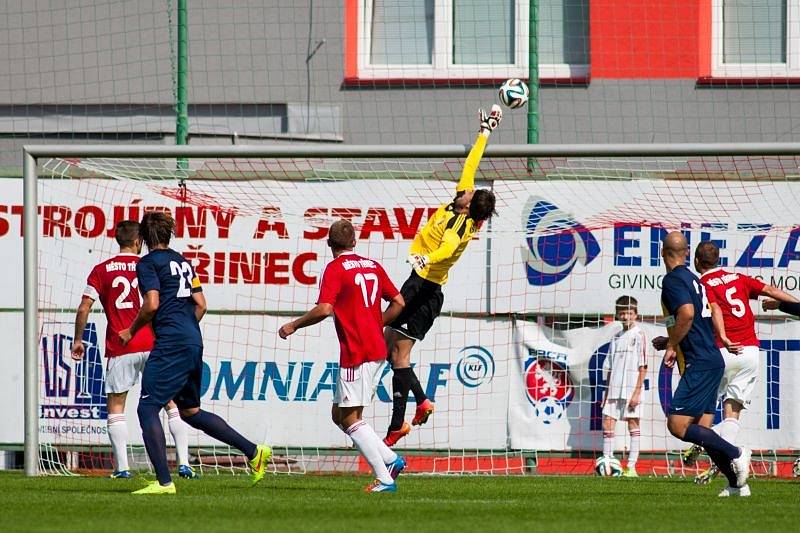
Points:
(442, 67)
(790, 69)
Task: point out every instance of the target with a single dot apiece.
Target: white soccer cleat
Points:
(741, 466)
(743, 492)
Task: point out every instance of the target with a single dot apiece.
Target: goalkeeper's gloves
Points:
(492, 120)
(417, 262)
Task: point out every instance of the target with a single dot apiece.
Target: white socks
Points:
(633, 455)
(608, 443)
(728, 429)
(180, 434)
(373, 449)
(118, 434)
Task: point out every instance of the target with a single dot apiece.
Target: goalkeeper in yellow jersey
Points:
(435, 249)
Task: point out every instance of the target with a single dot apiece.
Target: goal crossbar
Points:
(33, 153)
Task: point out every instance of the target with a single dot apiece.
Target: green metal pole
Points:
(181, 104)
(533, 77)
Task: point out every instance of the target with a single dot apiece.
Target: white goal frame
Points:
(33, 153)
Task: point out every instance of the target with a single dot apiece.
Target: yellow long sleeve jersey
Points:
(446, 234)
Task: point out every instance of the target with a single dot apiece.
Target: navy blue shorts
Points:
(697, 392)
(173, 374)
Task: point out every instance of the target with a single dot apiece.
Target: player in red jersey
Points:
(351, 289)
(731, 293)
(114, 283)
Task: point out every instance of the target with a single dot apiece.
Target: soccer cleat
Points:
(396, 467)
(187, 472)
(122, 474)
(156, 488)
(629, 472)
(258, 464)
(705, 477)
(727, 492)
(490, 122)
(393, 436)
(741, 466)
(796, 468)
(424, 410)
(378, 486)
(690, 456)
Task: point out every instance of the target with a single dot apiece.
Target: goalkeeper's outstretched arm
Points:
(488, 124)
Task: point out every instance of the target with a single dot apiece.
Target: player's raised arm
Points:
(488, 124)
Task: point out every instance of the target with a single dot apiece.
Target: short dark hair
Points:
(707, 255)
(481, 207)
(126, 233)
(624, 303)
(156, 228)
(342, 235)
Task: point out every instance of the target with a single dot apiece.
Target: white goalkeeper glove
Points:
(417, 262)
(492, 120)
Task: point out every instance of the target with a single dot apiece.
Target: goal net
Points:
(514, 362)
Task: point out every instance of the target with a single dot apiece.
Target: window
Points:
(755, 38)
(469, 39)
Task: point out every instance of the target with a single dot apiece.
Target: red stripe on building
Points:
(656, 39)
(351, 39)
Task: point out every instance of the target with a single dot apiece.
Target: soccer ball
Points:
(607, 466)
(514, 93)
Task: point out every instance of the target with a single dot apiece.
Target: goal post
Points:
(538, 323)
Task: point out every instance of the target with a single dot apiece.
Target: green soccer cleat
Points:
(156, 488)
(258, 464)
(629, 472)
(704, 478)
(690, 456)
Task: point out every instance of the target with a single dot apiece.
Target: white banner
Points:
(281, 391)
(557, 389)
(572, 246)
(266, 255)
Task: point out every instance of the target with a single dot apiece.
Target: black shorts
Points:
(424, 301)
(173, 374)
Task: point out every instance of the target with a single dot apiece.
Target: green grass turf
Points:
(337, 503)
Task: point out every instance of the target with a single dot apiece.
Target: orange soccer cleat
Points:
(424, 410)
(393, 436)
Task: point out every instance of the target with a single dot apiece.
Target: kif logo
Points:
(548, 384)
(556, 243)
(475, 367)
(72, 389)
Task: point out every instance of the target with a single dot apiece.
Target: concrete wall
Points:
(102, 70)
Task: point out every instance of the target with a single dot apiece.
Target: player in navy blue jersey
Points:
(174, 304)
(692, 345)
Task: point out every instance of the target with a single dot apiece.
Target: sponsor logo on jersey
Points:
(475, 367)
(71, 389)
(556, 242)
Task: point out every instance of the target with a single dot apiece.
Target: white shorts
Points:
(356, 386)
(122, 372)
(741, 373)
(618, 410)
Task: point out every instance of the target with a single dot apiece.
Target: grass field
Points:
(306, 503)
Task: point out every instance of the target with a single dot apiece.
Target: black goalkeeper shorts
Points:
(424, 301)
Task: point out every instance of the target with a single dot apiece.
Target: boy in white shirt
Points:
(625, 369)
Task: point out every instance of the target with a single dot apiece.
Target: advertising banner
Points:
(558, 386)
(281, 391)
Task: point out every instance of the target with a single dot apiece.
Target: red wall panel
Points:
(648, 38)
